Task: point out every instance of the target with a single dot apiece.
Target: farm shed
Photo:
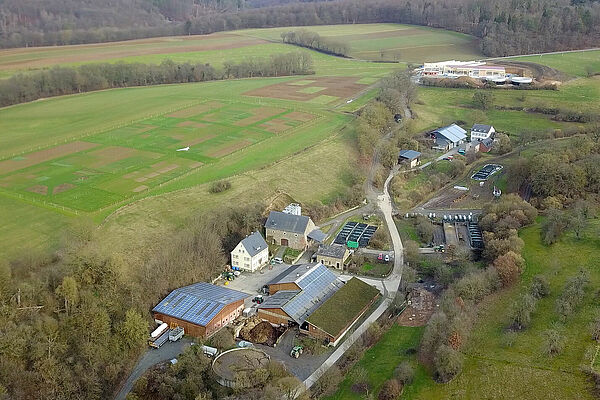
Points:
(297, 292)
(251, 253)
(411, 157)
(201, 309)
(288, 229)
(332, 255)
(448, 137)
(338, 313)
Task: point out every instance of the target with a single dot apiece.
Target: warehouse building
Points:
(312, 297)
(201, 309)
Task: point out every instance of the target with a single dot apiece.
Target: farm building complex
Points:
(289, 229)
(251, 254)
(305, 294)
(201, 309)
(472, 69)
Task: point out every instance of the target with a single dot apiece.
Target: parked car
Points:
(387, 258)
(380, 257)
(278, 260)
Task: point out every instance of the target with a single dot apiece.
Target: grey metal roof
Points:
(289, 274)
(334, 250)
(442, 142)
(279, 299)
(286, 222)
(488, 142)
(254, 243)
(481, 128)
(409, 154)
(453, 132)
(317, 235)
(198, 303)
(317, 284)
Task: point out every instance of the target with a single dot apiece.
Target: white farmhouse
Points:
(480, 132)
(251, 254)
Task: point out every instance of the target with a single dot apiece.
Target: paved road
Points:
(390, 285)
(450, 153)
(152, 357)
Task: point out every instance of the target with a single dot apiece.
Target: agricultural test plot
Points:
(317, 90)
(111, 166)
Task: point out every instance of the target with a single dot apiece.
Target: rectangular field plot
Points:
(321, 90)
(115, 165)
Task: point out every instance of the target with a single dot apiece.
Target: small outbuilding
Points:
(410, 157)
(332, 255)
(486, 145)
(200, 309)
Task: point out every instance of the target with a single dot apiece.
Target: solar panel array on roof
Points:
(317, 286)
(355, 232)
(198, 303)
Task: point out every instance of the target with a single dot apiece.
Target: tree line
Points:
(58, 81)
(312, 40)
(503, 27)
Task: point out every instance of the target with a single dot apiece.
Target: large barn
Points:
(308, 294)
(201, 309)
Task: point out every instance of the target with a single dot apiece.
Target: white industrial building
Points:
(455, 69)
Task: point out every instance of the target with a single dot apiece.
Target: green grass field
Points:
(489, 365)
(575, 63)
(443, 106)
(380, 361)
(390, 42)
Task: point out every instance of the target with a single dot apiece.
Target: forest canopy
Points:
(504, 27)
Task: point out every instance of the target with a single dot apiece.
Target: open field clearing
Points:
(489, 364)
(575, 63)
(442, 106)
(111, 166)
(40, 57)
(390, 42)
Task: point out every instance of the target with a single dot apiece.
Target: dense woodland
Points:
(504, 27)
(58, 81)
(73, 322)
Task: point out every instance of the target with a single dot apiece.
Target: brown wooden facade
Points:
(274, 315)
(276, 287)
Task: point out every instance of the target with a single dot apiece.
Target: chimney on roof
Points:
(297, 275)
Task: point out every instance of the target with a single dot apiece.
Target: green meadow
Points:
(577, 63)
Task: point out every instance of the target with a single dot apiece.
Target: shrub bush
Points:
(219, 186)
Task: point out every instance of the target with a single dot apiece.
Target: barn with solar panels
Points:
(201, 309)
(312, 296)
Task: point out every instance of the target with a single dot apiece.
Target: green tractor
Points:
(296, 351)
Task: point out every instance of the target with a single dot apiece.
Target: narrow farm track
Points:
(392, 282)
